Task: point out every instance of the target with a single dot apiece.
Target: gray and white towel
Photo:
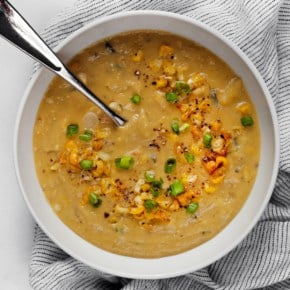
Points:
(261, 28)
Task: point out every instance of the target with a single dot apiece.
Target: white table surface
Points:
(16, 223)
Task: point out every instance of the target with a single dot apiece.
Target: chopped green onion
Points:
(150, 204)
(247, 121)
(176, 188)
(183, 127)
(170, 165)
(72, 130)
(124, 162)
(182, 87)
(189, 157)
(86, 136)
(175, 127)
(136, 99)
(156, 187)
(86, 164)
(192, 207)
(207, 139)
(171, 97)
(149, 176)
(95, 199)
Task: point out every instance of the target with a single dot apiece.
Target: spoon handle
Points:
(16, 30)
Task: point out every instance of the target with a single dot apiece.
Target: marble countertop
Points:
(16, 223)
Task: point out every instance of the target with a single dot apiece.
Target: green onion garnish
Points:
(171, 97)
(72, 130)
(175, 127)
(156, 187)
(182, 87)
(170, 165)
(136, 99)
(86, 136)
(124, 162)
(86, 164)
(176, 188)
(207, 139)
(192, 207)
(150, 204)
(149, 176)
(95, 199)
(189, 157)
(247, 121)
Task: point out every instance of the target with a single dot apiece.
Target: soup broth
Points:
(178, 171)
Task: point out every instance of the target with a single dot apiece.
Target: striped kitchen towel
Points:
(261, 28)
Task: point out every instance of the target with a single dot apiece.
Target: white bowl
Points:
(202, 255)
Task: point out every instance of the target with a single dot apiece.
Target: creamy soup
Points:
(179, 170)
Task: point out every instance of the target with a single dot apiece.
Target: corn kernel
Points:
(155, 64)
(168, 68)
(216, 125)
(244, 108)
(74, 158)
(165, 50)
(161, 83)
(137, 210)
(209, 189)
(71, 146)
(221, 162)
(138, 56)
(218, 180)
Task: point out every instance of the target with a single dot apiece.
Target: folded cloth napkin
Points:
(261, 28)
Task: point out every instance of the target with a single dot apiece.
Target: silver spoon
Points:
(16, 30)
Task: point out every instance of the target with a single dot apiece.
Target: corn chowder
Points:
(176, 173)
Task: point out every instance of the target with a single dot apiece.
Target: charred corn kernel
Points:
(174, 205)
(209, 189)
(163, 202)
(74, 158)
(196, 150)
(155, 64)
(137, 210)
(196, 80)
(165, 51)
(99, 168)
(195, 132)
(160, 216)
(85, 199)
(185, 198)
(216, 125)
(145, 187)
(121, 210)
(244, 108)
(218, 180)
(98, 145)
(210, 166)
(71, 146)
(204, 106)
(138, 56)
(62, 159)
(221, 161)
(107, 169)
(168, 68)
(161, 83)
